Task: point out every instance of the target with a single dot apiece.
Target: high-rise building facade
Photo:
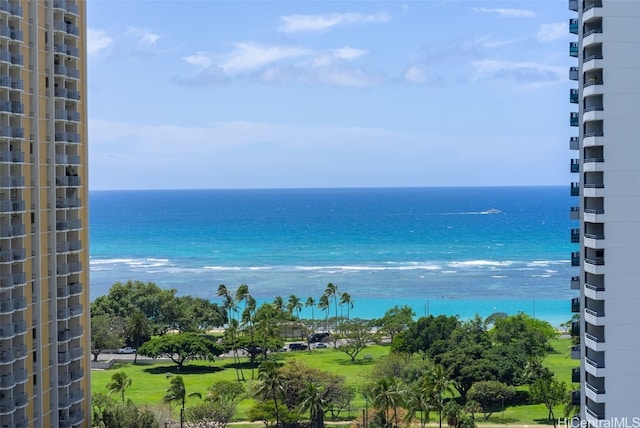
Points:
(606, 120)
(44, 302)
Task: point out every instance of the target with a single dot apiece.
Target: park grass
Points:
(150, 380)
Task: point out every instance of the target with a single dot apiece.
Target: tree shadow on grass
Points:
(172, 370)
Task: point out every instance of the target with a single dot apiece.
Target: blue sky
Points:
(254, 94)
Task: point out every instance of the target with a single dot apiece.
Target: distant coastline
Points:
(385, 246)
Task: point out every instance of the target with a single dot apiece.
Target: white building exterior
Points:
(607, 121)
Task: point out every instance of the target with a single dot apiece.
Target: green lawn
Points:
(150, 381)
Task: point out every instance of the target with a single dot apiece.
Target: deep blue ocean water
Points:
(440, 250)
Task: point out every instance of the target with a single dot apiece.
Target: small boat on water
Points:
(492, 211)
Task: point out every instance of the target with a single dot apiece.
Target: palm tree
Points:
(271, 384)
(278, 303)
(323, 304)
(388, 394)
(138, 329)
(416, 402)
(177, 395)
(313, 399)
(332, 291)
(345, 299)
(229, 304)
(311, 302)
(294, 305)
(435, 385)
(119, 384)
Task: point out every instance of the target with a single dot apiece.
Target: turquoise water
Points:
(439, 250)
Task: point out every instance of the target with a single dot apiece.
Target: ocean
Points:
(453, 251)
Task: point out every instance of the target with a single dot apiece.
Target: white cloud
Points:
(199, 59)
(416, 74)
(248, 57)
(314, 23)
(145, 37)
(553, 31)
(97, 41)
(507, 13)
(528, 74)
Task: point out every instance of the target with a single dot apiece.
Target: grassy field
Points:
(151, 380)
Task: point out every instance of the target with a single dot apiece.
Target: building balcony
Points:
(13, 280)
(575, 283)
(595, 292)
(575, 352)
(573, 26)
(593, 190)
(594, 393)
(574, 119)
(575, 259)
(575, 165)
(574, 213)
(575, 236)
(575, 375)
(594, 343)
(573, 5)
(593, 138)
(575, 189)
(575, 328)
(11, 156)
(575, 305)
(574, 73)
(594, 317)
(574, 143)
(8, 306)
(575, 397)
(573, 49)
(12, 181)
(12, 206)
(68, 225)
(67, 6)
(592, 10)
(12, 230)
(593, 418)
(574, 96)
(593, 113)
(595, 241)
(595, 368)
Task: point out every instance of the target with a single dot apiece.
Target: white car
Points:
(319, 345)
(126, 350)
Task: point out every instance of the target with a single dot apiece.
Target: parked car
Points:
(318, 337)
(319, 345)
(298, 347)
(126, 350)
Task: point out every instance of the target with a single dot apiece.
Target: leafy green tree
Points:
(490, 395)
(550, 392)
(352, 337)
(395, 320)
(194, 314)
(138, 331)
(219, 405)
(228, 303)
(427, 337)
(106, 333)
(108, 413)
(182, 347)
(529, 334)
(119, 384)
(416, 402)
